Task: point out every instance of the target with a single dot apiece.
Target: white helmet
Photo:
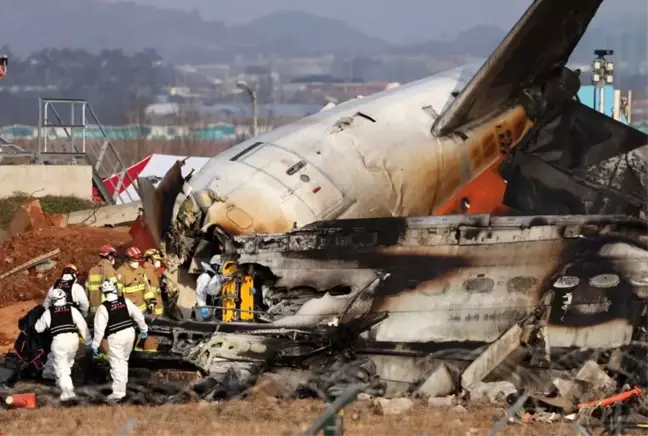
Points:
(58, 297)
(109, 287)
(214, 264)
(215, 260)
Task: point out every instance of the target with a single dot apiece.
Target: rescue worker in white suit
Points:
(114, 320)
(74, 292)
(208, 286)
(65, 323)
(75, 295)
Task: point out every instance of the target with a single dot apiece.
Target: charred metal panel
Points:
(463, 278)
(559, 169)
(612, 334)
(158, 202)
(494, 355)
(475, 236)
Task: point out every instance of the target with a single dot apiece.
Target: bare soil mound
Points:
(78, 245)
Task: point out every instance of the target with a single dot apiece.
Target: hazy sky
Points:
(399, 21)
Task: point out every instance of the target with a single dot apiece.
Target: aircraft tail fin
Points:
(541, 41)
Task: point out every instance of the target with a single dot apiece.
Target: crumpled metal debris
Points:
(232, 379)
(330, 380)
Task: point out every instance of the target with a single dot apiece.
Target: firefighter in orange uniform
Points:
(104, 270)
(154, 268)
(132, 276)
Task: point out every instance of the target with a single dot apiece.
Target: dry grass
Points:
(50, 205)
(261, 417)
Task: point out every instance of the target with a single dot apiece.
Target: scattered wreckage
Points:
(431, 306)
(412, 292)
(438, 303)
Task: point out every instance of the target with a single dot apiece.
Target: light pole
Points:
(602, 74)
(244, 86)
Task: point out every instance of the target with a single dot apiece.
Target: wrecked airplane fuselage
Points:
(409, 293)
(455, 279)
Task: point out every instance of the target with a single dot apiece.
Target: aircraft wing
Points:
(540, 41)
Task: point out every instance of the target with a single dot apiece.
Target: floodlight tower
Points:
(602, 74)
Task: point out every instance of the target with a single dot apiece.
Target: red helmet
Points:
(107, 250)
(134, 253)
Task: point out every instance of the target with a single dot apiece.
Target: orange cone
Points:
(21, 401)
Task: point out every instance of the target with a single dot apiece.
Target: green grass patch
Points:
(50, 204)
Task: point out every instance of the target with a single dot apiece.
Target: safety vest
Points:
(154, 292)
(66, 286)
(62, 321)
(96, 276)
(237, 298)
(118, 317)
(134, 285)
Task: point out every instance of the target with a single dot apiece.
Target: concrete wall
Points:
(42, 180)
(106, 215)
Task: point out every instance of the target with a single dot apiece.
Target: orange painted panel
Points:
(484, 195)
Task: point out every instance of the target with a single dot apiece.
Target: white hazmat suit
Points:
(208, 284)
(121, 342)
(79, 297)
(65, 323)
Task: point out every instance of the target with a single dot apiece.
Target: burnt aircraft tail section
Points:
(580, 137)
(577, 164)
(532, 54)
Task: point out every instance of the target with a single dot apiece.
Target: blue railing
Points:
(213, 132)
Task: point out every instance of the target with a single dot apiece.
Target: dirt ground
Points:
(78, 245)
(262, 417)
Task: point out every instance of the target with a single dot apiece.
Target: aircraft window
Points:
(640, 279)
(640, 283)
(521, 284)
(434, 287)
(246, 151)
(465, 204)
(566, 282)
(479, 285)
(241, 219)
(298, 166)
(605, 281)
(336, 291)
